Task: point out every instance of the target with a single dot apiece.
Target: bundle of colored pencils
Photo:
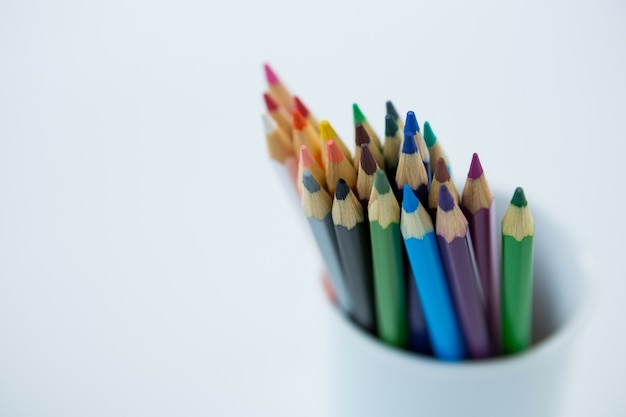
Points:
(409, 259)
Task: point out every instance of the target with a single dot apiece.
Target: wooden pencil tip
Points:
(357, 114)
(343, 189)
(270, 75)
(381, 183)
(446, 200)
(299, 122)
(333, 153)
(270, 103)
(309, 182)
(441, 171)
(361, 135)
(519, 198)
(411, 125)
(409, 199)
(268, 123)
(429, 135)
(367, 161)
(300, 106)
(476, 169)
(306, 159)
(391, 110)
(408, 145)
(391, 127)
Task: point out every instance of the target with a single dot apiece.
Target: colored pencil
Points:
(441, 177)
(327, 132)
(411, 169)
(278, 113)
(518, 232)
(280, 151)
(392, 145)
(460, 267)
(317, 205)
(359, 117)
(362, 137)
(277, 89)
(389, 286)
(337, 167)
(307, 162)
(478, 206)
(391, 111)
(419, 340)
(304, 110)
(434, 147)
(366, 174)
(421, 246)
(352, 233)
(412, 127)
(304, 134)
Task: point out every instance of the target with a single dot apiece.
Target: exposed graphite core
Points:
(441, 171)
(391, 127)
(429, 136)
(300, 106)
(476, 169)
(333, 153)
(368, 163)
(357, 114)
(361, 135)
(410, 201)
(269, 102)
(446, 201)
(519, 198)
(391, 110)
(309, 182)
(342, 190)
(299, 122)
(270, 75)
(411, 124)
(381, 183)
(409, 146)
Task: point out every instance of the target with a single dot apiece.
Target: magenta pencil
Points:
(462, 275)
(478, 205)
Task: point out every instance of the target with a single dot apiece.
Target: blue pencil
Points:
(412, 127)
(421, 246)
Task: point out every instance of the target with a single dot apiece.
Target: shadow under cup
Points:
(368, 378)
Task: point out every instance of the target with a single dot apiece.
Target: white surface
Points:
(138, 270)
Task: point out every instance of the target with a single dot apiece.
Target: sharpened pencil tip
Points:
(381, 183)
(367, 161)
(446, 200)
(476, 169)
(519, 198)
(342, 190)
(306, 159)
(268, 123)
(357, 114)
(300, 106)
(429, 136)
(391, 127)
(361, 135)
(270, 103)
(299, 122)
(411, 125)
(391, 110)
(409, 146)
(309, 182)
(326, 131)
(409, 199)
(441, 171)
(333, 153)
(270, 75)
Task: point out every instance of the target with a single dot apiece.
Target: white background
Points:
(151, 263)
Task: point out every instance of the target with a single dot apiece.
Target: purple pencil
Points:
(460, 267)
(478, 205)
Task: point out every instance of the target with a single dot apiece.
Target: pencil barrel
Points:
(517, 287)
(389, 287)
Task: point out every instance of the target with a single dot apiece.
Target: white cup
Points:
(368, 378)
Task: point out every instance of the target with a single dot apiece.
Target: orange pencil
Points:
(304, 110)
(304, 134)
(338, 167)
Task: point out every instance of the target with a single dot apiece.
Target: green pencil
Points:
(518, 231)
(389, 282)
